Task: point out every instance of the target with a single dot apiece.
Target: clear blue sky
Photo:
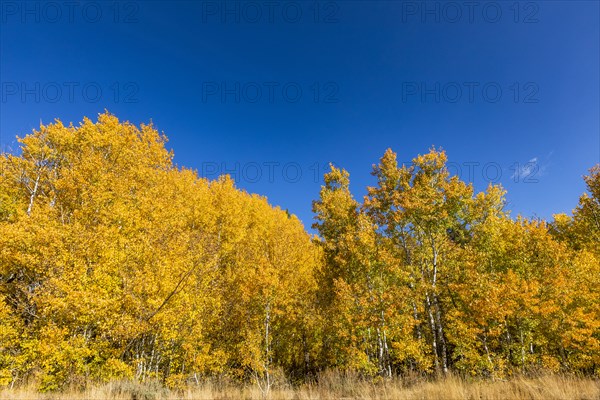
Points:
(268, 89)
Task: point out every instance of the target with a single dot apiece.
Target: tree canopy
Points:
(116, 263)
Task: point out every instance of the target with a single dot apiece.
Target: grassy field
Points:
(547, 387)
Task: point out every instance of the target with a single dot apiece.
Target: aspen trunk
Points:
(434, 346)
(267, 347)
(33, 194)
(440, 333)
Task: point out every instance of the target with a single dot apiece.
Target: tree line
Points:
(115, 263)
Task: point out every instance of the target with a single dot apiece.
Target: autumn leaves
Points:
(128, 267)
(116, 264)
(426, 275)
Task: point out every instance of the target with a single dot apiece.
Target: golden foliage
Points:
(117, 264)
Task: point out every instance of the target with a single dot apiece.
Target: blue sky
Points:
(273, 91)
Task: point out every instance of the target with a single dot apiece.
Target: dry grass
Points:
(334, 386)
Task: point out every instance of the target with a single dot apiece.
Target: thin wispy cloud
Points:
(531, 170)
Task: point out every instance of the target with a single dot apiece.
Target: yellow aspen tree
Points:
(425, 212)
